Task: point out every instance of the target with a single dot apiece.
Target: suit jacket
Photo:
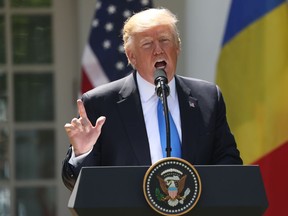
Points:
(206, 137)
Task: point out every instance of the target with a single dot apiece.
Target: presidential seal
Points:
(172, 186)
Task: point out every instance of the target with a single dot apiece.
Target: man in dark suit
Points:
(118, 125)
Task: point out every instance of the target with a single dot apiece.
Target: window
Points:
(27, 109)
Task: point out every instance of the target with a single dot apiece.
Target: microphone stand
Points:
(164, 94)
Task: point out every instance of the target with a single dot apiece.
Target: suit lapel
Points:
(189, 115)
(135, 125)
(130, 109)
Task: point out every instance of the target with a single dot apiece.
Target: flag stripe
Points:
(274, 171)
(92, 68)
(243, 13)
(86, 85)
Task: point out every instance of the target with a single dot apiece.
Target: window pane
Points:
(2, 39)
(35, 154)
(3, 97)
(3, 108)
(32, 39)
(4, 154)
(33, 95)
(4, 201)
(31, 3)
(36, 201)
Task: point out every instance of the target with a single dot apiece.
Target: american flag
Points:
(104, 59)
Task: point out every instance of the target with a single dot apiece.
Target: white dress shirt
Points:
(149, 101)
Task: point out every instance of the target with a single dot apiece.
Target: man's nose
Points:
(158, 49)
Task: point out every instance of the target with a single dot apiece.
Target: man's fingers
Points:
(85, 123)
(69, 128)
(75, 122)
(99, 123)
(81, 109)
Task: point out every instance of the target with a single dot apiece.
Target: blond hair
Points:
(147, 19)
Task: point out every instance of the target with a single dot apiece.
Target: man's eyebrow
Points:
(145, 39)
(165, 34)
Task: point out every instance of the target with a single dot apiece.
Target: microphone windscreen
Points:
(160, 73)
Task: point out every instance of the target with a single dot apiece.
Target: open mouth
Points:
(160, 65)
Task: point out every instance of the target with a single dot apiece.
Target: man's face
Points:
(154, 48)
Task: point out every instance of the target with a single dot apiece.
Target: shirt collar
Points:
(147, 89)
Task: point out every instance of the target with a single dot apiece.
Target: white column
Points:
(205, 23)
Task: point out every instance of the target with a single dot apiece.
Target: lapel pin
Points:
(191, 104)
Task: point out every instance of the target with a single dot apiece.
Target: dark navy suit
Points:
(206, 137)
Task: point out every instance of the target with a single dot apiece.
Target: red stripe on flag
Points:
(274, 171)
(86, 84)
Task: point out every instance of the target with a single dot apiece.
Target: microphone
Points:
(161, 83)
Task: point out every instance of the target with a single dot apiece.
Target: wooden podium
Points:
(226, 190)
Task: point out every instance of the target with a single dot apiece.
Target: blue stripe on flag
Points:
(244, 12)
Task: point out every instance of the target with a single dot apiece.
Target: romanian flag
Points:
(253, 74)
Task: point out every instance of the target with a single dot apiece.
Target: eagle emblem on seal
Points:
(173, 187)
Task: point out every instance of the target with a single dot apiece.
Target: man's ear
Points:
(131, 57)
(178, 50)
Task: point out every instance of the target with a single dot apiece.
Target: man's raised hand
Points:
(81, 133)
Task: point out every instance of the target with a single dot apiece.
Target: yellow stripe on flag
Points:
(253, 75)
